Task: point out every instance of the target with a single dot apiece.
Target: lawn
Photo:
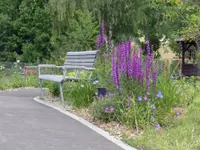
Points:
(182, 134)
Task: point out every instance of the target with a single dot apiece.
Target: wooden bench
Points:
(76, 61)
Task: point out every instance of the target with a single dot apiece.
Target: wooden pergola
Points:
(186, 46)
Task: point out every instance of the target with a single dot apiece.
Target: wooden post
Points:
(183, 55)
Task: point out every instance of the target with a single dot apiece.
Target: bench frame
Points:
(69, 66)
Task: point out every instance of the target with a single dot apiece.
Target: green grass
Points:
(182, 134)
(17, 81)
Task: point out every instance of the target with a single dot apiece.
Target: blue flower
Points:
(70, 85)
(95, 82)
(157, 127)
(159, 95)
(152, 119)
(100, 96)
(139, 98)
(154, 107)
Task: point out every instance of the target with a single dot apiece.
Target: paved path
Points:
(28, 125)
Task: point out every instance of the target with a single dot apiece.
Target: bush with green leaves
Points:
(53, 87)
(17, 80)
(79, 94)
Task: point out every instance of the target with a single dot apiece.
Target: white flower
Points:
(18, 61)
(82, 85)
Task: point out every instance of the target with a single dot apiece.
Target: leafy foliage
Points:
(79, 94)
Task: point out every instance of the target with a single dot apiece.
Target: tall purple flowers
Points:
(101, 37)
(148, 64)
(115, 73)
(102, 33)
(128, 62)
(154, 80)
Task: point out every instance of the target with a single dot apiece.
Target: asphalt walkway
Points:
(28, 125)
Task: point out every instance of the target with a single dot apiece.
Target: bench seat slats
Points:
(80, 60)
(81, 57)
(82, 53)
(57, 78)
(80, 64)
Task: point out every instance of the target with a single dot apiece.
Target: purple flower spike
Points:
(157, 127)
(154, 80)
(98, 44)
(102, 33)
(115, 73)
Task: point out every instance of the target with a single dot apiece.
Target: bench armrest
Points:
(60, 67)
(73, 67)
(91, 69)
(78, 67)
(47, 66)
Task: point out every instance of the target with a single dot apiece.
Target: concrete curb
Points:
(90, 125)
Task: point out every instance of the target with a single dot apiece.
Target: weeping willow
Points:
(61, 11)
(122, 17)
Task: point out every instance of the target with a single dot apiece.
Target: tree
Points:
(82, 31)
(34, 30)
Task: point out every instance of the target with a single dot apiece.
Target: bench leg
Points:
(41, 91)
(61, 92)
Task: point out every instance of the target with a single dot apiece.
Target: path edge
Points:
(88, 124)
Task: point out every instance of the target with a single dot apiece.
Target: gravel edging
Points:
(86, 123)
(17, 89)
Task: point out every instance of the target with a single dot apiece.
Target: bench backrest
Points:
(82, 59)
